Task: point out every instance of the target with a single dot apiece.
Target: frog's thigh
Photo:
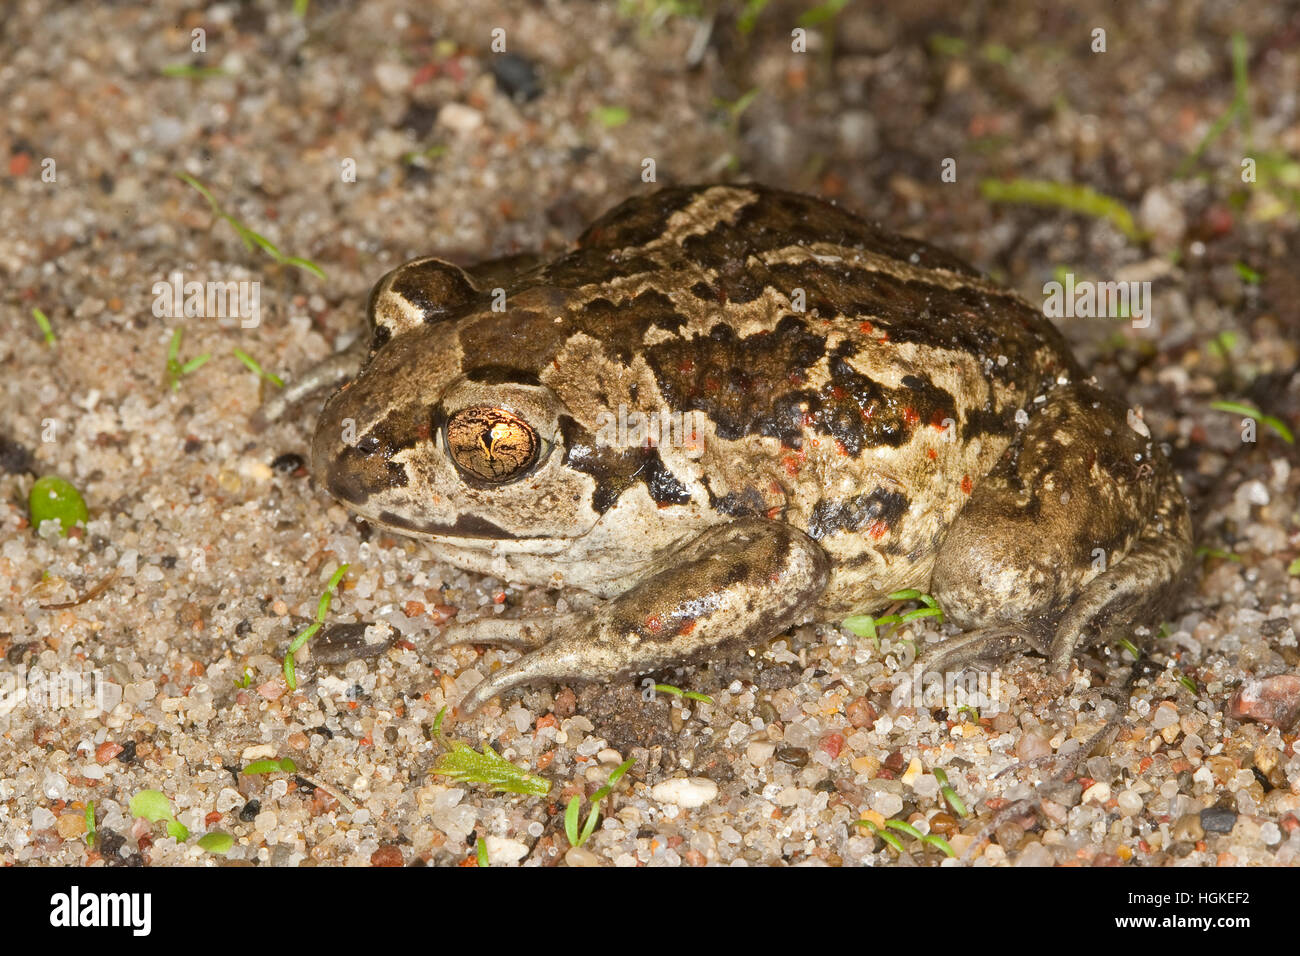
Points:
(745, 581)
(1080, 527)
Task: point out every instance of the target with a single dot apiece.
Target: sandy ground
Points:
(212, 545)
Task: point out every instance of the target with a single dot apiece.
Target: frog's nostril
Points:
(367, 445)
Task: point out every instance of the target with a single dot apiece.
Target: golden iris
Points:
(492, 444)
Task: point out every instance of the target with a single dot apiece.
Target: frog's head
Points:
(420, 444)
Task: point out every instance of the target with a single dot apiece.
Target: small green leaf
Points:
(52, 498)
(1129, 646)
(571, 820)
(935, 840)
(863, 625)
(153, 805)
(1237, 408)
(1294, 567)
(43, 321)
(678, 692)
(270, 766)
(178, 830)
(90, 823)
(322, 608)
(611, 117)
(1068, 196)
(480, 851)
(216, 842)
(256, 369)
(903, 827)
(466, 765)
(1247, 273)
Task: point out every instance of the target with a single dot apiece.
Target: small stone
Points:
(1032, 746)
(1272, 700)
(504, 851)
(460, 118)
(107, 751)
(1130, 803)
(685, 792)
(1034, 854)
(861, 714)
(387, 855)
(913, 771)
(1166, 715)
(759, 752)
(1098, 793)
(887, 804)
(1270, 833)
(943, 823)
(72, 825)
(1218, 819)
(581, 856)
(867, 765)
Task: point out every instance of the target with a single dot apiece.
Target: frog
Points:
(730, 410)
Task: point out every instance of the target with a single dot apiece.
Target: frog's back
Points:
(850, 380)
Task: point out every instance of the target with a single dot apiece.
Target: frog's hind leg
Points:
(741, 582)
(1080, 531)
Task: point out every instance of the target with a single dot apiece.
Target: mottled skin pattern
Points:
(856, 395)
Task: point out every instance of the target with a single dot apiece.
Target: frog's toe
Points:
(984, 646)
(510, 633)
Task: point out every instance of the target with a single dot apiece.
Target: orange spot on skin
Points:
(654, 624)
(686, 367)
(839, 446)
(910, 417)
(966, 484)
(837, 392)
(936, 420)
(878, 529)
(933, 454)
(866, 328)
(687, 627)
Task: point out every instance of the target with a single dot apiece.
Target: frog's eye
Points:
(492, 444)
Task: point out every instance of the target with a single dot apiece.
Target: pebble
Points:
(580, 856)
(1188, 828)
(1130, 803)
(1166, 715)
(1218, 819)
(1098, 793)
(686, 792)
(1032, 746)
(887, 804)
(460, 118)
(1035, 854)
(1271, 700)
(504, 851)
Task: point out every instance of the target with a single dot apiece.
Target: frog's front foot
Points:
(1078, 534)
(742, 582)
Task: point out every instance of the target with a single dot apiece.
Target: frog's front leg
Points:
(742, 582)
(1078, 533)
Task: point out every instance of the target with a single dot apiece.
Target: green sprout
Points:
(257, 370)
(153, 806)
(251, 239)
(322, 608)
(577, 838)
(865, 625)
(611, 117)
(932, 839)
(90, 823)
(1223, 345)
(1247, 273)
(949, 794)
(1188, 683)
(246, 680)
(1207, 552)
(1129, 646)
(52, 499)
(822, 13)
(1238, 109)
(270, 766)
(175, 368)
(480, 852)
(1069, 196)
(678, 692)
(216, 842)
(43, 321)
(464, 764)
(1237, 408)
(1294, 567)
